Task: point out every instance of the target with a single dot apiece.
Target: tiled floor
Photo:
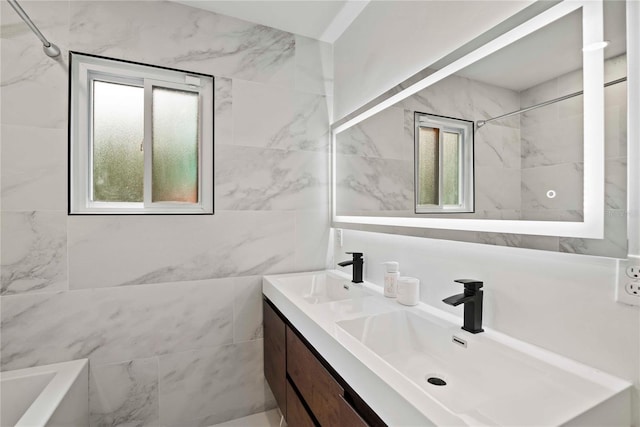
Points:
(263, 419)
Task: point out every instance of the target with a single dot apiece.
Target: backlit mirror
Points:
(509, 138)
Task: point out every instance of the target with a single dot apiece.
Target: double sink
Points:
(452, 377)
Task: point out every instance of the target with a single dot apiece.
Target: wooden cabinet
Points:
(297, 415)
(348, 416)
(308, 391)
(316, 385)
(275, 362)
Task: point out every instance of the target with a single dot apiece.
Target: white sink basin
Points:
(487, 382)
(320, 288)
(387, 352)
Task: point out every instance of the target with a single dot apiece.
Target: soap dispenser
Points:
(391, 279)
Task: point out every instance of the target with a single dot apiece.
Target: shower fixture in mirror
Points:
(535, 97)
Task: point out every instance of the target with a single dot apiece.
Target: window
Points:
(443, 164)
(141, 139)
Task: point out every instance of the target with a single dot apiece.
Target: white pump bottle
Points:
(391, 279)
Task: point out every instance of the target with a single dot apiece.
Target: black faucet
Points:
(472, 300)
(357, 263)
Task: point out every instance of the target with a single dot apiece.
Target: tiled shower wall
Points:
(375, 170)
(167, 308)
(517, 160)
(553, 155)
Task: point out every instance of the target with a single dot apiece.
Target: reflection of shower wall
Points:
(552, 158)
(374, 164)
(552, 151)
(374, 167)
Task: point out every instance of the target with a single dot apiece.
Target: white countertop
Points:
(562, 391)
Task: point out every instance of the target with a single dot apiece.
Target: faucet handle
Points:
(356, 255)
(470, 284)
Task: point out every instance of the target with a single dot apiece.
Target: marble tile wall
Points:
(517, 160)
(552, 159)
(375, 171)
(166, 308)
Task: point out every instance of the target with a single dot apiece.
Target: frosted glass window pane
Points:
(428, 166)
(450, 168)
(175, 146)
(118, 131)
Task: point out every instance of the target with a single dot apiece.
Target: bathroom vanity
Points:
(337, 354)
(303, 383)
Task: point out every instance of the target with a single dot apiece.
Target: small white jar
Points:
(408, 290)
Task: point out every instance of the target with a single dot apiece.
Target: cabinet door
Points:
(349, 417)
(317, 387)
(297, 415)
(275, 363)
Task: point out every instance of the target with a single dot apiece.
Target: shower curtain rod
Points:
(49, 48)
(481, 123)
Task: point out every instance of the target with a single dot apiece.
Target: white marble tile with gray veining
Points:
(212, 384)
(314, 66)
(312, 239)
(408, 137)
(34, 169)
(252, 178)
(497, 189)
(615, 122)
(247, 309)
(373, 184)
(615, 68)
(271, 117)
(500, 239)
(450, 97)
(497, 146)
(183, 37)
(50, 17)
(112, 29)
(541, 92)
(571, 108)
(614, 243)
(492, 101)
(34, 252)
(27, 74)
(551, 143)
(558, 187)
(116, 324)
(381, 135)
(615, 184)
(615, 131)
(544, 243)
(571, 82)
(223, 111)
(124, 394)
(117, 251)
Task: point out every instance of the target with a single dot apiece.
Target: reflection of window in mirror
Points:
(444, 164)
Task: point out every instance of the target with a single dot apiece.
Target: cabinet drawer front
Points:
(275, 364)
(349, 417)
(317, 387)
(297, 415)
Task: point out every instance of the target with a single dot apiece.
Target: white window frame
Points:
(464, 128)
(85, 69)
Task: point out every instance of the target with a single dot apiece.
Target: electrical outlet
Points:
(633, 288)
(628, 281)
(633, 271)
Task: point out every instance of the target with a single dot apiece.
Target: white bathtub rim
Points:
(45, 405)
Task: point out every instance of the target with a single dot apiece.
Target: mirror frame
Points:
(593, 85)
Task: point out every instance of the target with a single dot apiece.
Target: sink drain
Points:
(436, 381)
